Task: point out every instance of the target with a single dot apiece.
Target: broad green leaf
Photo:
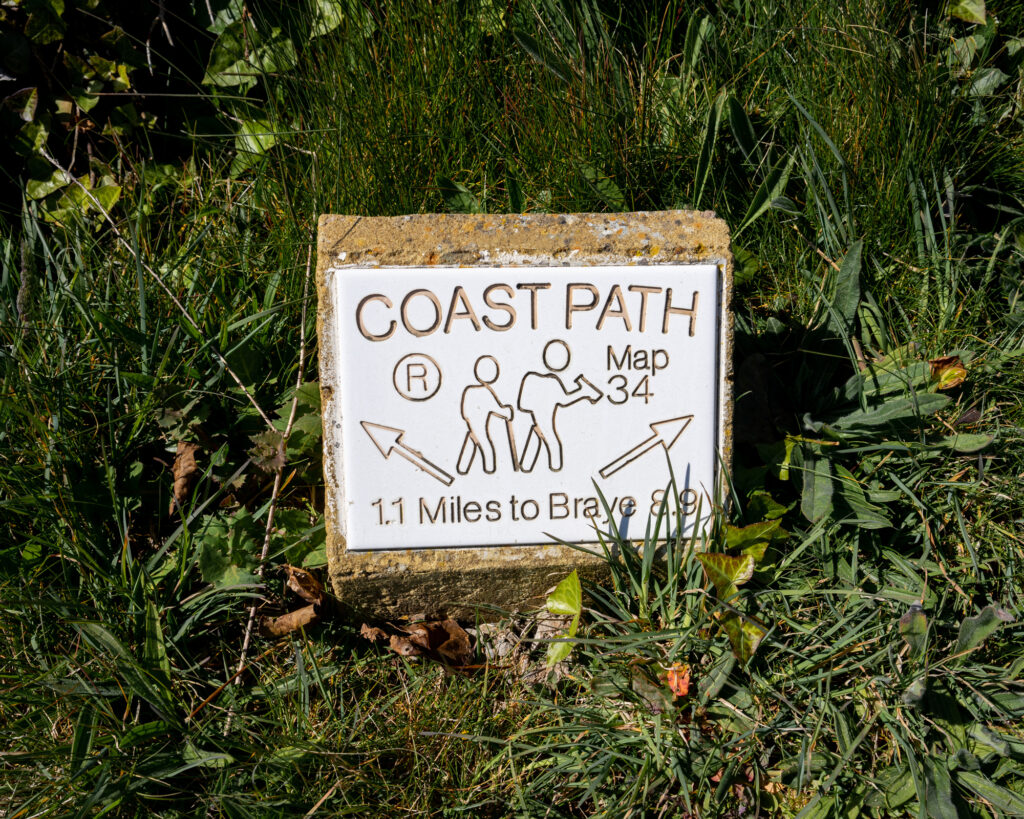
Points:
(697, 33)
(866, 514)
(254, 138)
(816, 495)
(967, 442)
(914, 693)
(327, 16)
(567, 598)
(745, 636)
(107, 196)
(45, 23)
(1002, 799)
(970, 11)
(559, 651)
(740, 537)
(888, 376)
(914, 628)
(196, 757)
(457, 197)
(155, 649)
(30, 138)
(975, 630)
(846, 297)
(938, 800)
(743, 131)
(707, 150)
(140, 734)
(604, 186)
(987, 81)
(894, 410)
(38, 188)
(770, 189)
(726, 572)
(81, 744)
(712, 682)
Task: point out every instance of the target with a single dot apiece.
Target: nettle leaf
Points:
(914, 629)
(227, 549)
(726, 572)
(745, 636)
(567, 598)
(975, 630)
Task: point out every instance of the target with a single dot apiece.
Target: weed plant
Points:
(849, 629)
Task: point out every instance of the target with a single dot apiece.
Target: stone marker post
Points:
(494, 386)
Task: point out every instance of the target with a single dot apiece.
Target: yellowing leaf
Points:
(727, 572)
(745, 636)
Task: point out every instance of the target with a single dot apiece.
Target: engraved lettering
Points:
(571, 306)
(437, 313)
(558, 506)
(619, 311)
(644, 293)
(459, 298)
(362, 327)
(508, 308)
(533, 288)
(690, 311)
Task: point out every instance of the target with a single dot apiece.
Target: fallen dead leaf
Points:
(403, 646)
(284, 625)
(445, 640)
(305, 585)
(372, 633)
(678, 679)
(184, 467)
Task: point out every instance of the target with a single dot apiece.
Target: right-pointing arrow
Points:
(665, 433)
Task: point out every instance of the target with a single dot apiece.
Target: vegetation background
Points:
(846, 642)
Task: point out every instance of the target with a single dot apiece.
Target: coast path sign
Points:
(482, 374)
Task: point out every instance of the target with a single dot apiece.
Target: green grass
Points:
(870, 161)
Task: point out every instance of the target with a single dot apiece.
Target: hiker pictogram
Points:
(541, 395)
(479, 404)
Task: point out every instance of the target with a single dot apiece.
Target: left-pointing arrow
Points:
(389, 439)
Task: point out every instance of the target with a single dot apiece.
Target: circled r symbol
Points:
(417, 377)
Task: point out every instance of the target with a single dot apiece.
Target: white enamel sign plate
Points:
(480, 406)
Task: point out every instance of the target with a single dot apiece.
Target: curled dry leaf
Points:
(446, 640)
(403, 646)
(276, 627)
(678, 679)
(305, 585)
(372, 633)
(184, 468)
(949, 371)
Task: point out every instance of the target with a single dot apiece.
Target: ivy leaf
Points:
(726, 572)
(567, 598)
(745, 636)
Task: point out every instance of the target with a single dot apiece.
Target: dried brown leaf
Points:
(284, 625)
(372, 633)
(184, 468)
(305, 585)
(403, 646)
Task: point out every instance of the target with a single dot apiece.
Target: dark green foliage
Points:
(849, 631)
